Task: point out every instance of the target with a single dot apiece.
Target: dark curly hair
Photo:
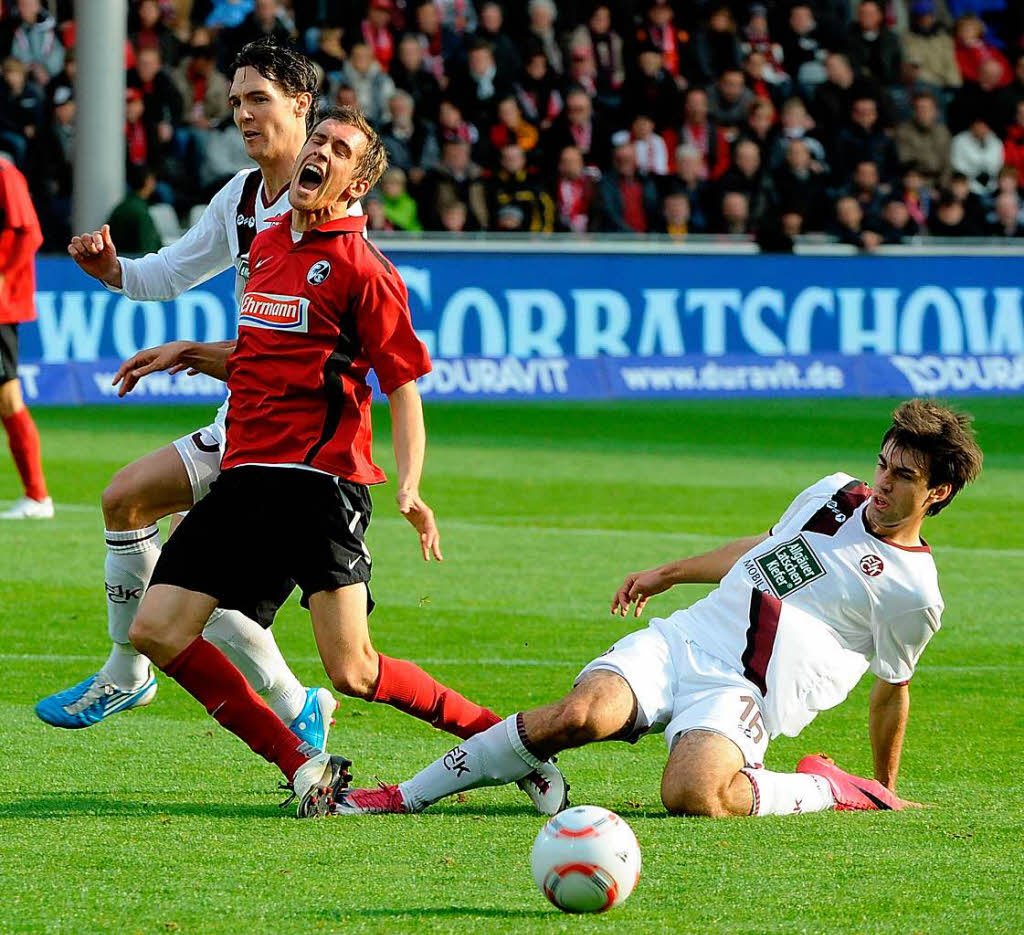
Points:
(290, 69)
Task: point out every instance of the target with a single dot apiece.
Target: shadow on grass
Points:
(491, 912)
(89, 805)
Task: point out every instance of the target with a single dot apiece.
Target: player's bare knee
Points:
(693, 798)
(356, 676)
(576, 722)
(145, 634)
(122, 508)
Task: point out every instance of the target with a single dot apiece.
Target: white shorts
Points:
(679, 688)
(201, 453)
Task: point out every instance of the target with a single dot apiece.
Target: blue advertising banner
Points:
(550, 325)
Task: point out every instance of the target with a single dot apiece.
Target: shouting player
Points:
(842, 583)
(272, 94)
(321, 308)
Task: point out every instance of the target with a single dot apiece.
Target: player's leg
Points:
(22, 434)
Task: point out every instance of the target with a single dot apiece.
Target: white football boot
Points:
(27, 508)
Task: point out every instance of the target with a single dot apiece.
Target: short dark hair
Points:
(942, 441)
(295, 73)
(374, 161)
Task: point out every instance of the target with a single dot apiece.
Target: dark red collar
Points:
(923, 547)
(345, 225)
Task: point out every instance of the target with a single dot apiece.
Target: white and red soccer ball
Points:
(586, 859)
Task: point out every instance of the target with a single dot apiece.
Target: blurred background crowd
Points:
(872, 121)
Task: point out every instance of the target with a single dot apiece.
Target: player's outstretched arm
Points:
(175, 356)
(409, 437)
(708, 568)
(96, 254)
(890, 709)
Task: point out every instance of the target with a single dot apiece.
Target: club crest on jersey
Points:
(318, 272)
(278, 312)
(872, 565)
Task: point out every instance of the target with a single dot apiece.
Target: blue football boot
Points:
(92, 700)
(313, 723)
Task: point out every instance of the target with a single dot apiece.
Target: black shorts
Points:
(260, 529)
(8, 353)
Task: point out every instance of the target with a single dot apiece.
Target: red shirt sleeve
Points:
(20, 235)
(386, 332)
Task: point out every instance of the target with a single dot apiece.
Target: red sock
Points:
(207, 675)
(23, 438)
(404, 685)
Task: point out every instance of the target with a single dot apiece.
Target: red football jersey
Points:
(20, 238)
(316, 315)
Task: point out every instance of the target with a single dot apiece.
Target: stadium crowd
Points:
(870, 120)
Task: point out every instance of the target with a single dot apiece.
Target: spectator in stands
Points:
(689, 180)
(480, 85)
(715, 47)
(928, 48)
(972, 50)
(849, 227)
(651, 89)
(65, 78)
(21, 109)
(537, 92)
(974, 207)
(863, 140)
(915, 195)
(648, 147)
(1016, 87)
(376, 31)
(376, 219)
(507, 59)
(149, 29)
(574, 192)
(399, 206)
(755, 75)
(978, 153)
(30, 36)
(203, 89)
(897, 225)
(49, 165)
(454, 217)
(578, 127)
(372, 86)
(869, 191)
(141, 143)
(729, 99)
(411, 143)
(756, 41)
(542, 15)
(514, 186)
(925, 141)
(797, 124)
(605, 49)
(268, 20)
(658, 31)
(1006, 222)
(675, 214)
(440, 43)
(746, 175)
(986, 97)
(331, 56)
(456, 179)
(799, 183)
(703, 133)
(734, 212)
(805, 47)
(761, 127)
(874, 51)
(510, 127)
(457, 15)
(223, 155)
(131, 225)
(627, 202)
(834, 99)
(410, 73)
(162, 101)
(1013, 148)
(452, 126)
(949, 219)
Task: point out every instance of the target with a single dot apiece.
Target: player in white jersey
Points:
(842, 583)
(272, 93)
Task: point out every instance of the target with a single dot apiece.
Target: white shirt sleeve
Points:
(203, 251)
(821, 490)
(900, 641)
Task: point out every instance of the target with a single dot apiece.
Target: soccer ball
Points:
(586, 859)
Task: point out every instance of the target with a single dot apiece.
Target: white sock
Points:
(491, 758)
(788, 793)
(255, 654)
(131, 558)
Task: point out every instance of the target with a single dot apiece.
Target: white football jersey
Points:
(806, 612)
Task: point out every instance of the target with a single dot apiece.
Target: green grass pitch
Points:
(159, 821)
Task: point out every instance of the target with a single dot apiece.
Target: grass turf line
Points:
(159, 821)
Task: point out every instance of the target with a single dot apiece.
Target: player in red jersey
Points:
(321, 308)
(20, 238)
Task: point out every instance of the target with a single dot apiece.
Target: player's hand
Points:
(637, 588)
(412, 507)
(97, 256)
(164, 357)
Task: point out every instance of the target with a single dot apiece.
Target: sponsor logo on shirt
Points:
(243, 221)
(872, 565)
(242, 265)
(786, 568)
(279, 312)
(318, 272)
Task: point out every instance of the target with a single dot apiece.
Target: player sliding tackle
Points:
(842, 583)
(321, 307)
